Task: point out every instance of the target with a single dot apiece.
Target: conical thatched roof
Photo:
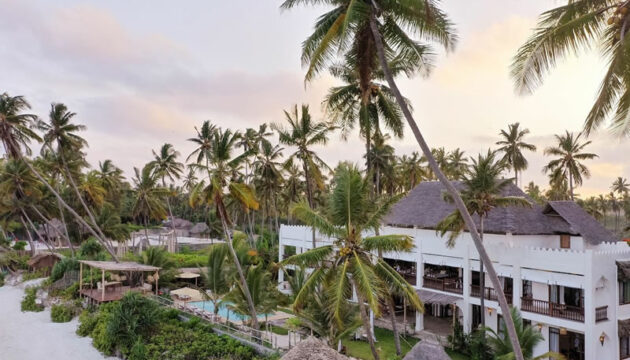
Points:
(313, 349)
(425, 350)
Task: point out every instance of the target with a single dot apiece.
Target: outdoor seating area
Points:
(121, 279)
(444, 278)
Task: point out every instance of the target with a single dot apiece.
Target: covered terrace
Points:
(118, 285)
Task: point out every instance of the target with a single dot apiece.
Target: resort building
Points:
(566, 273)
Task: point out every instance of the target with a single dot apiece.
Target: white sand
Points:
(32, 336)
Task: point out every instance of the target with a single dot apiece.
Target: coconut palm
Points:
(148, 196)
(568, 29)
(482, 192)
(304, 133)
(219, 166)
(569, 153)
(533, 191)
(620, 186)
(382, 157)
(165, 165)
(17, 129)
(350, 263)
(379, 29)
(528, 338)
(203, 141)
(412, 170)
(111, 178)
(457, 164)
(512, 146)
(267, 168)
(217, 275)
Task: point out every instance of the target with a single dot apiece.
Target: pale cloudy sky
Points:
(141, 73)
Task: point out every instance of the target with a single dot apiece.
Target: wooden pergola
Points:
(102, 295)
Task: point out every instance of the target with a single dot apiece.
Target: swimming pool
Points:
(224, 312)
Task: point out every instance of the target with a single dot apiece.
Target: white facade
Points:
(536, 259)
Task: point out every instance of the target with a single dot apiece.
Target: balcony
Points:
(448, 284)
(561, 311)
(489, 293)
(601, 314)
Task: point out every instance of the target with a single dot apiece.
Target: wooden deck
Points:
(110, 295)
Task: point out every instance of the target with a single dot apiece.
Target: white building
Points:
(559, 266)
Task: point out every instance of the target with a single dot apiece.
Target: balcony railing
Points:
(453, 285)
(489, 293)
(561, 311)
(601, 313)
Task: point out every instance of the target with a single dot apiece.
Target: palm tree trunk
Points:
(390, 304)
(459, 203)
(36, 232)
(65, 228)
(237, 263)
(77, 217)
(366, 325)
(170, 213)
(309, 195)
(28, 234)
(515, 176)
(49, 224)
(571, 185)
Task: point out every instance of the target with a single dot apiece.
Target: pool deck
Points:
(273, 317)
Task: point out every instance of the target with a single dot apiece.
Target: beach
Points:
(33, 336)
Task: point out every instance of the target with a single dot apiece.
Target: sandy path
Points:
(32, 336)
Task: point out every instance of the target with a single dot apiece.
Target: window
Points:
(476, 316)
(624, 347)
(500, 326)
(554, 340)
(527, 289)
(624, 292)
(565, 241)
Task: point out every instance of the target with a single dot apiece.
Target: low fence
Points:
(244, 334)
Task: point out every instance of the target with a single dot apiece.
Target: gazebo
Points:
(188, 276)
(114, 290)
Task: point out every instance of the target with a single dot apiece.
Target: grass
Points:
(455, 355)
(385, 345)
(279, 330)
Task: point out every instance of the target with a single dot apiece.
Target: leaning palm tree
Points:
(376, 29)
(569, 29)
(512, 146)
(569, 153)
(528, 337)
(483, 191)
(350, 263)
(219, 165)
(165, 165)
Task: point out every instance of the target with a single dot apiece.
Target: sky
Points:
(146, 72)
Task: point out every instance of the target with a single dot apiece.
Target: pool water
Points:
(223, 310)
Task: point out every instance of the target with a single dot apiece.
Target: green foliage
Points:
(28, 303)
(19, 245)
(361, 350)
(2, 275)
(87, 322)
(33, 275)
(131, 319)
(62, 266)
(188, 260)
(138, 351)
(459, 340)
(90, 249)
(62, 313)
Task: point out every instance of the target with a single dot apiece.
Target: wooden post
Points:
(80, 278)
(155, 276)
(102, 285)
(404, 315)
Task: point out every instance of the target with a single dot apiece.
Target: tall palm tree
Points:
(216, 276)
(534, 192)
(350, 263)
(221, 184)
(203, 141)
(267, 167)
(148, 196)
(457, 164)
(378, 27)
(569, 29)
(528, 337)
(620, 186)
(381, 157)
(483, 191)
(512, 146)
(412, 170)
(165, 165)
(569, 152)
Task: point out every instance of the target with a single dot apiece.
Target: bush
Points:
(62, 313)
(62, 266)
(2, 275)
(131, 319)
(91, 249)
(19, 245)
(28, 303)
(33, 275)
(87, 322)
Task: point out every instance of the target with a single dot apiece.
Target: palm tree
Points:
(350, 263)
(512, 146)
(165, 165)
(148, 195)
(568, 29)
(412, 170)
(569, 152)
(381, 157)
(203, 141)
(270, 180)
(111, 178)
(376, 30)
(457, 164)
(219, 165)
(620, 186)
(17, 128)
(483, 188)
(216, 275)
(528, 338)
(615, 206)
(304, 133)
(533, 191)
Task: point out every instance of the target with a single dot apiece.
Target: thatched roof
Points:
(37, 258)
(120, 266)
(179, 223)
(313, 349)
(425, 350)
(424, 207)
(199, 228)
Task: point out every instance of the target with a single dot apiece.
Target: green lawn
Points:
(385, 345)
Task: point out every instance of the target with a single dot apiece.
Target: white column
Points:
(280, 255)
(372, 324)
(517, 285)
(419, 321)
(466, 307)
(591, 339)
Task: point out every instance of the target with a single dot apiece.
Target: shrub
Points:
(61, 313)
(33, 275)
(131, 319)
(28, 303)
(19, 245)
(90, 249)
(2, 275)
(87, 323)
(62, 266)
(138, 351)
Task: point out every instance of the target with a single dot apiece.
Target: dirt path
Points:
(32, 336)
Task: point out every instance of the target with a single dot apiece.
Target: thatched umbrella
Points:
(313, 349)
(425, 350)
